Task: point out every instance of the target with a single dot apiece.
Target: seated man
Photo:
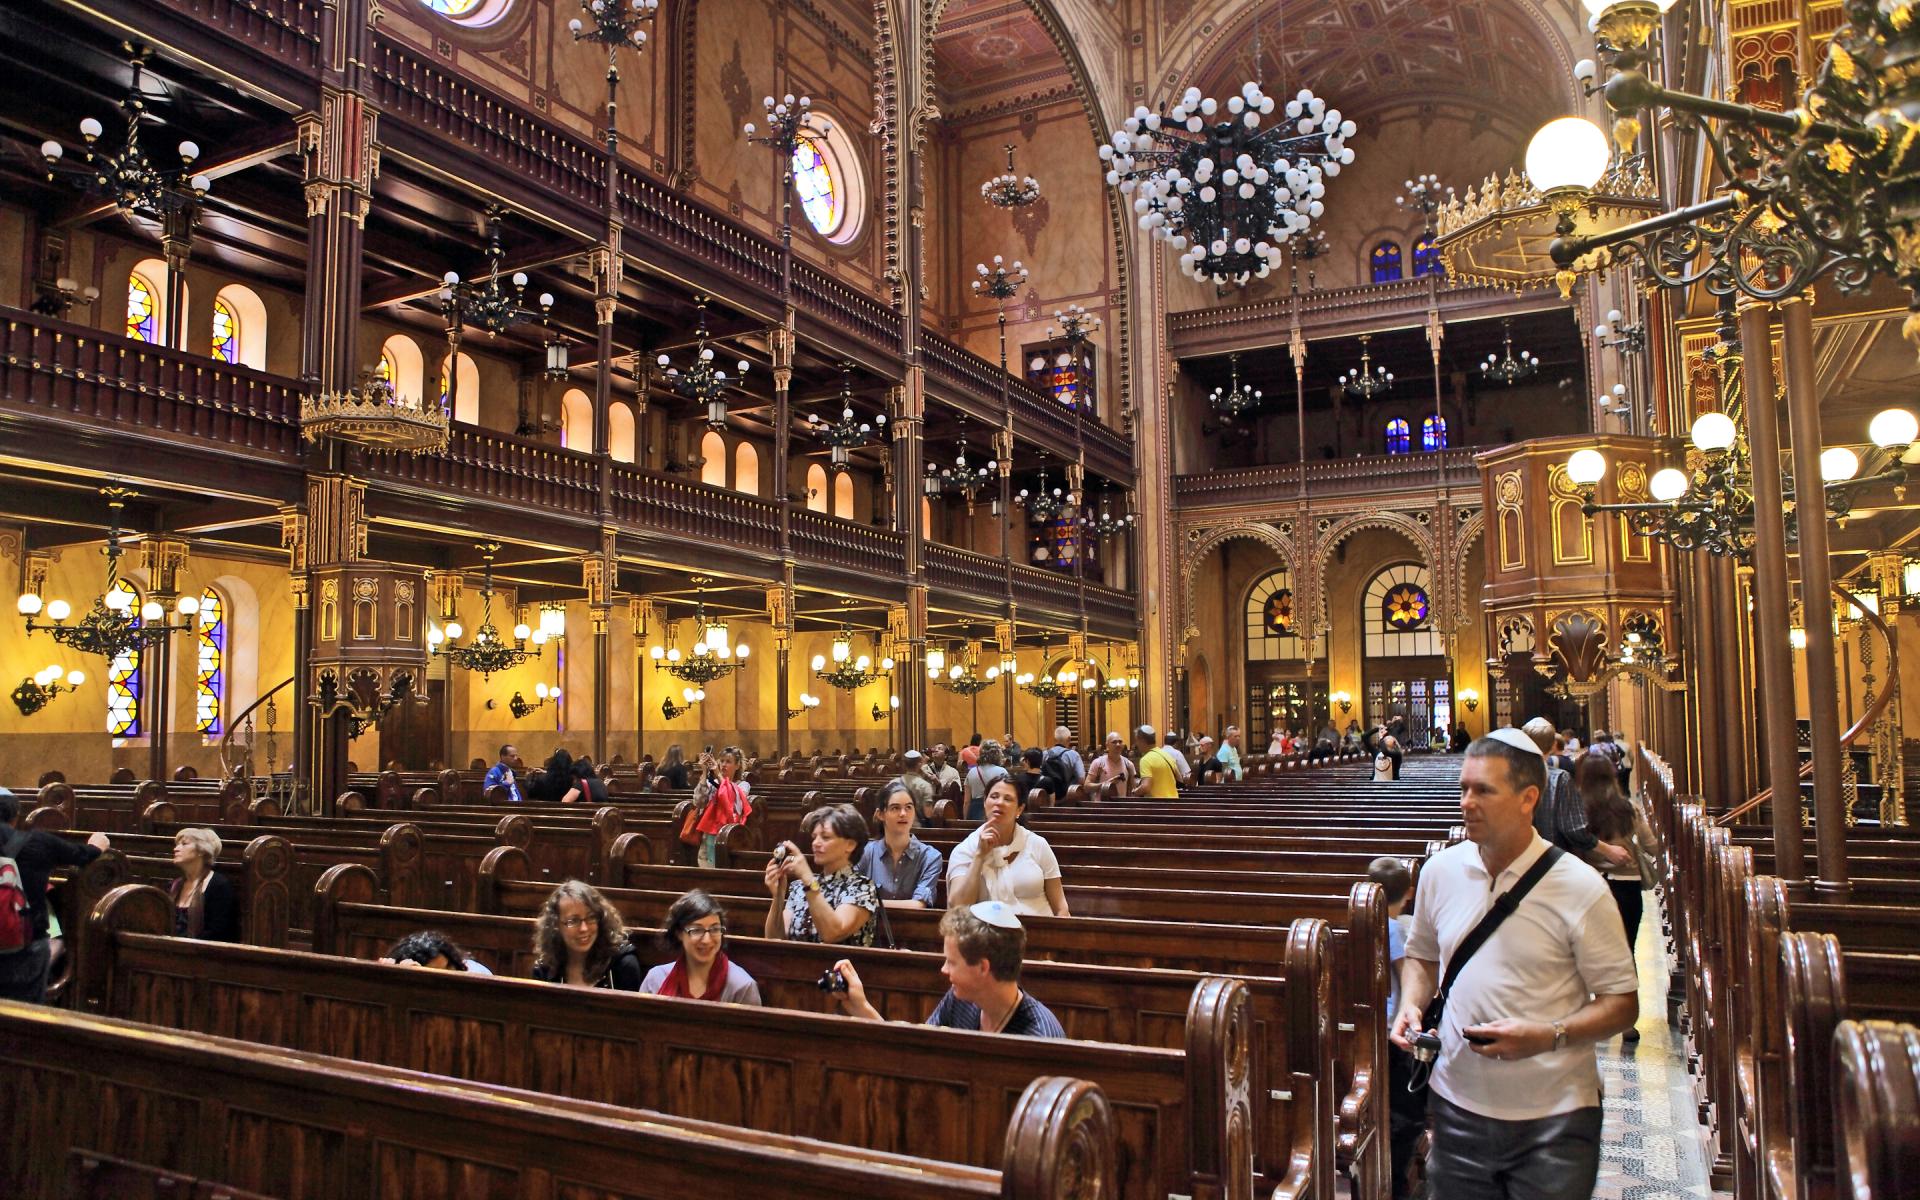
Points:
(984, 945)
(434, 951)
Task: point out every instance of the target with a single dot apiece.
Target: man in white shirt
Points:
(1515, 1093)
(1170, 742)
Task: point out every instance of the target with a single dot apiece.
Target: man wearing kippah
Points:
(1514, 1098)
(984, 945)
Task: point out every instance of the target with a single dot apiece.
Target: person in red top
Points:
(721, 799)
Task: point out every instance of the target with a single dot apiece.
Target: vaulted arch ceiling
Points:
(993, 52)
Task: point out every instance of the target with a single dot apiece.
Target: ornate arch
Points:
(1200, 542)
(1472, 529)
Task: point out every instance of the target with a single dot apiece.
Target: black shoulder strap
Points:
(1503, 907)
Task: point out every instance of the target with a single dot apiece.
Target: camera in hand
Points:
(832, 981)
(781, 853)
(1426, 1045)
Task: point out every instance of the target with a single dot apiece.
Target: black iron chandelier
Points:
(1367, 381)
(1236, 399)
(1507, 367)
(789, 122)
(962, 477)
(1423, 194)
(1104, 522)
(37, 692)
(1221, 190)
(490, 305)
(129, 177)
(1042, 503)
(846, 670)
(713, 655)
(703, 382)
(1099, 683)
(1047, 686)
(848, 432)
(110, 627)
(961, 673)
(613, 24)
(488, 653)
(1010, 190)
(1075, 326)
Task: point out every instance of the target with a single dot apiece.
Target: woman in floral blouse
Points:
(827, 900)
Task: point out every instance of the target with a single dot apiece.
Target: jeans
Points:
(707, 842)
(1480, 1158)
(1408, 1111)
(1631, 902)
(23, 974)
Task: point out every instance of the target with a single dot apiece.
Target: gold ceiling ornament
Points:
(374, 414)
(1496, 235)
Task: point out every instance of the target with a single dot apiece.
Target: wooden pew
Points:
(110, 1109)
(116, 808)
(564, 843)
(261, 872)
(1877, 1068)
(1184, 1116)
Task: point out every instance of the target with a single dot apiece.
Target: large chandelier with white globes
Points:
(1223, 191)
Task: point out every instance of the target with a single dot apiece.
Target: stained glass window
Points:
(819, 191)
(1433, 433)
(1405, 607)
(123, 678)
(226, 331)
(446, 386)
(210, 688)
(1399, 436)
(454, 8)
(1271, 630)
(1386, 262)
(142, 307)
(388, 371)
(1426, 259)
(1398, 614)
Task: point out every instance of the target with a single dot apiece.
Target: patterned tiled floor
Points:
(1652, 1147)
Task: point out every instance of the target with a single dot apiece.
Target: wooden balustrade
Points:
(1038, 587)
(1110, 604)
(663, 503)
(847, 307)
(823, 539)
(953, 569)
(70, 371)
(286, 30)
(1279, 485)
(657, 212)
(1339, 312)
(499, 467)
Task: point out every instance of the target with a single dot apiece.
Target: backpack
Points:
(16, 919)
(1055, 775)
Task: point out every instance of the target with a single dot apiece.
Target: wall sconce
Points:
(692, 696)
(1344, 700)
(34, 694)
(879, 714)
(808, 702)
(519, 707)
(1470, 698)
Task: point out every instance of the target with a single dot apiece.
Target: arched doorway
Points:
(1405, 682)
(1281, 693)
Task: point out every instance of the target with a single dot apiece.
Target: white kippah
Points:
(996, 913)
(1518, 740)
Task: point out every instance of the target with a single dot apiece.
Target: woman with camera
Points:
(720, 798)
(1005, 861)
(826, 900)
(697, 930)
(580, 940)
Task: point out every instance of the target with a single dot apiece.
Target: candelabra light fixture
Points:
(521, 708)
(1235, 400)
(713, 655)
(1219, 189)
(110, 627)
(128, 176)
(998, 284)
(1100, 683)
(1640, 643)
(1042, 503)
(1344, 700)
(878, 714)
(808, 702)
(789, 122)
(58, 296)
(373, 413)
(843, 669)
(1049, 684)
(613, 25)
(961, 671)
(1103, 521)
(37, 692)
(1506, 367)
(1073, 325)
(1469, 699)
(1367, 382)
(703, 382)
(1424, 195)
(1010, 190)
(689, 696)
(490, 305)
(849, 431)
(962, 477)
(488, 653)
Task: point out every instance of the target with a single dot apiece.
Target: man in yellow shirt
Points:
(1157, 770)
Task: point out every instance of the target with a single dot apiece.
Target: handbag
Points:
(690, 828)
(1503, 907)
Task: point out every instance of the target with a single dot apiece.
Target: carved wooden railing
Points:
(819, 538)
(669, 218)
(1110, 604)
(1325, 311)
(695, 510)
(847, 307)
(288, 30)
(1335, 477)
(497, 467)
(69, 371)
(1037, 587)
(952, 569)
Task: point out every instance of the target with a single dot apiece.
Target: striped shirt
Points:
(1030, 1017)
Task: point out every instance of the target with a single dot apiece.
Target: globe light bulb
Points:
(29, 605)
(1838, 464)
(522, 631)
(1668, 485)
(1713, 432)
(116, 601)
(819, 662)
(151, 611)
(540, 690)
(1894, 427)
(1586, 467)
(454, 630)
(434, 636)
(657, 653)
(188, 606)
(76, 678)
(1569, 153)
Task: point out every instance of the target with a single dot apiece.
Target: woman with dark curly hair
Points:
(579, 939)
(696, 928)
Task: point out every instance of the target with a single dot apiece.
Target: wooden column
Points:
(1736, 735)
(1772, 653)
(1816, 591)
(163, 558)
(1707, 695)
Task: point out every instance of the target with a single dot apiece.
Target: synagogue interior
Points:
(417, 416)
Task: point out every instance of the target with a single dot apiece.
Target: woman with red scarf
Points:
(697, 928)
(721, 799)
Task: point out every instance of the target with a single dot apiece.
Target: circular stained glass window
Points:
(830, 183)
(470, 12)
(1278, 613)
(1405, 607)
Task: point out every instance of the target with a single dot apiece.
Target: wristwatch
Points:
(1559, 1035)
(813, 885)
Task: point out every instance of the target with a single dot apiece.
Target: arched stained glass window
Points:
(123, 677)
(1433, 433)
(453, 8)
(1426, 259)
(143, 309)
(819, 190)
(1385, 262)
(226, 331)
(210, 676)
(1397, 614)
(1399, 436)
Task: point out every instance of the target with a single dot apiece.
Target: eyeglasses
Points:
(704, 932)
(586, 922)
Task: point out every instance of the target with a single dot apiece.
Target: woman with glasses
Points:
(697, 930)
(580, 940)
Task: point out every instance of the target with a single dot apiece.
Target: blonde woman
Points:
(205, 905)
(580, 940)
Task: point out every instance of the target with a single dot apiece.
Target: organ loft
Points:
(958, 599)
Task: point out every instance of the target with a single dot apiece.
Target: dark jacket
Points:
(219, 908)
(623, 974)
(39, 853)
(1561, 816)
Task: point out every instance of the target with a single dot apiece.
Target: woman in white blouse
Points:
(1005, 861)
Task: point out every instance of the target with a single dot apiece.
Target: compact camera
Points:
(832, 981)
(781, 853)
(1426, 1045)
